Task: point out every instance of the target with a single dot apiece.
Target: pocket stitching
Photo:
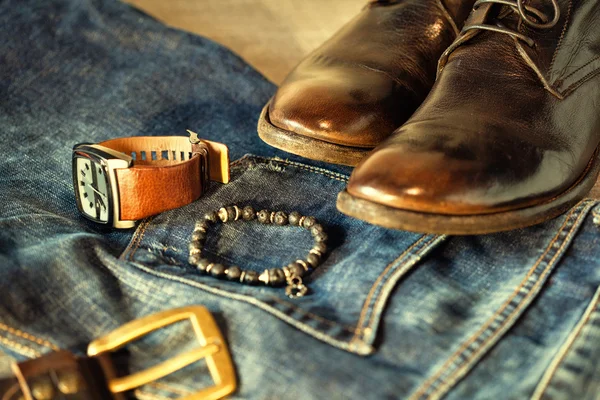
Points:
(136, 239)
(28, 336)
(379, 282)
(565, 349)
(22, 349)
(314, 316)
(351, 345)
(321, 171)
(437, 384)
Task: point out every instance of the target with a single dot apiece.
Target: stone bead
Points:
(316, 229)
(201, 226)
(264, 217)
(248, 213)
(196, 244)
(296, 269)
(294, 218)
(198, 236)
(217, 270)
(309, 222)
(320, 247)
(233, 273)
(194, 259)
(313, 260)
(280, 218)
(227, 214)
(321, 237)
(251, 277)
(276, 277)
(231, 213)
(211, 217)
(202, 264)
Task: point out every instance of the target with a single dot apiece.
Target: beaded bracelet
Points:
(290, 274)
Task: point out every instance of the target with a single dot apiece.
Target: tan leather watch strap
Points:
(166, 174)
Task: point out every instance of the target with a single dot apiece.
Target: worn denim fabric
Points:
(391, 314)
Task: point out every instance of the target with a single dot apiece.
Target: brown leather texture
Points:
(156, 184)
(57, 375)
(371, 75)
(506, 126)
(149, 190)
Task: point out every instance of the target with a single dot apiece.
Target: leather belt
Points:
(62, 375)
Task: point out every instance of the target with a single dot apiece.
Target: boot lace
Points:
(530, 16)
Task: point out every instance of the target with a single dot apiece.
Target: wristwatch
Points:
(120, 181)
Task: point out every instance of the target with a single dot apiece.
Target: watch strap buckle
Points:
(215, 166)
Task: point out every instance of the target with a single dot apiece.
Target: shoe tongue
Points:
(490, 13)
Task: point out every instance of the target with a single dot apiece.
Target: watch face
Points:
(92, 189)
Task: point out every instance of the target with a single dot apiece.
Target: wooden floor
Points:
(272, 35)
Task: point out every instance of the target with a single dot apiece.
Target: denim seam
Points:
(363, 350)
(354, 344)
(377, 284)
(20, 348)
(555, 365)
(451, 371)
(390, 283)
(135, 240)
(358, 330)
(378, 299)
(347, 328)
(310, 168)
(28, 336)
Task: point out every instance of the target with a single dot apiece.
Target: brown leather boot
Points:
(353, 91)
(508, 136)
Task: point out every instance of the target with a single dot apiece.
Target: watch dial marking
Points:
(94, 190)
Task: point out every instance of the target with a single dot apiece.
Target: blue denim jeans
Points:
(390, 314)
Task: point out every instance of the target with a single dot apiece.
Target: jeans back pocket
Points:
(348, 291)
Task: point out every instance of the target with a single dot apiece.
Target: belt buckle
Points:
(213, 349)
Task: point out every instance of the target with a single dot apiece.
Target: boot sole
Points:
(414, 221)
(307, 147)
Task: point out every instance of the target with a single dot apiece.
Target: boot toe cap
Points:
(351, 109)
(472, 180)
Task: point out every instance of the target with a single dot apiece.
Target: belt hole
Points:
(153, 155)
(182, 156)
(143, 155)
(165, 154)
(134, 155)
(174, 155)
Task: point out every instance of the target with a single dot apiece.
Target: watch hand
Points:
(101, 194)
(99, 198)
